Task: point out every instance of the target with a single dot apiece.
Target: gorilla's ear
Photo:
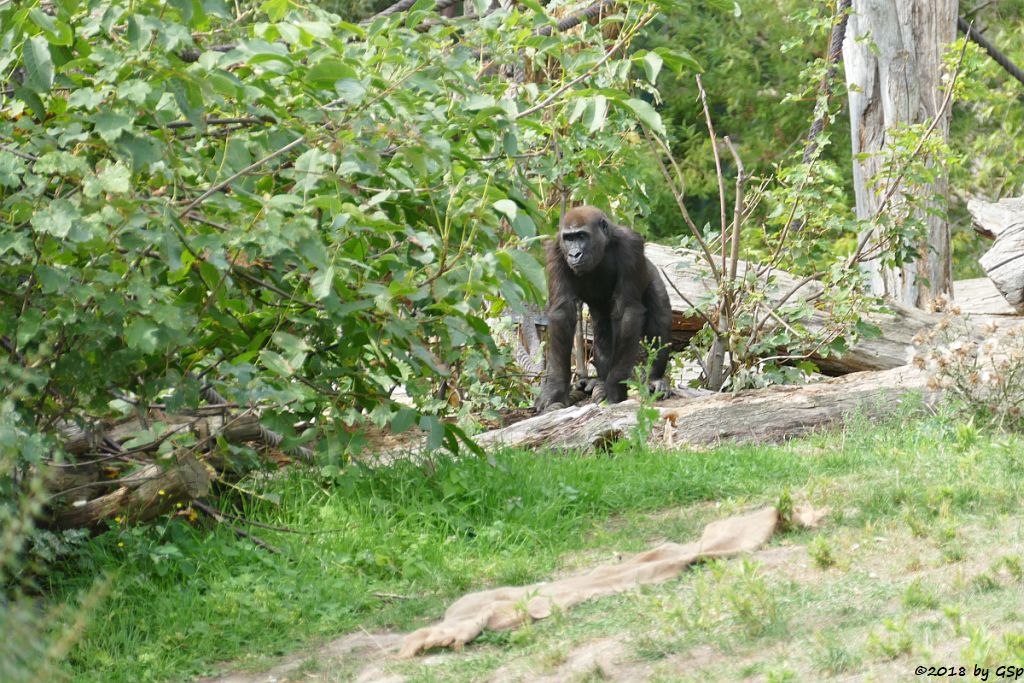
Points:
(604, 224)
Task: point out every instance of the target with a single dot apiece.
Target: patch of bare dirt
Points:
(362, 653)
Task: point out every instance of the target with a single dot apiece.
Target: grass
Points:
(917, 563)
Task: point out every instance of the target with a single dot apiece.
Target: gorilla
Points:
(603, 265)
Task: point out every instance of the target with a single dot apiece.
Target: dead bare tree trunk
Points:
(893, 58)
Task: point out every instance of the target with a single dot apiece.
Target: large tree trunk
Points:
(893, 58)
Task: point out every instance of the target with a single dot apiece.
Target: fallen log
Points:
(688, 272)
(84, 494)
(980, 297)
(1003, 221)
(142, 495)
(760, 415)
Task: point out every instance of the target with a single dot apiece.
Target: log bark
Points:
(142, 495)
(979, 296)
(686, 271)
(84, 493)
(756, 416)
(1004, 261)
(893, 59)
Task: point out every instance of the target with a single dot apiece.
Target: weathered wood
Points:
(691, 278)
(83, 493)
(761, 415)
(142, 495)
(992, 219)
(1004, 262)
(702, 418)
(979, 296)
(894, 66)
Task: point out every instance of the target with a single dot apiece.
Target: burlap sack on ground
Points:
(502, 608)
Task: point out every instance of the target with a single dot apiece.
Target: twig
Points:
(1000, 59)
(242, 533)
(737, 216)
(235, 176)
(391, 596)
(678, 194)
(243, 121)
(778, 305)
(18, 153)
(241, 272)
(643, 21)
(268, 436)
(718, 164)
(689, 303)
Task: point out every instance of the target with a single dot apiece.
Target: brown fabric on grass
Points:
(505, 607)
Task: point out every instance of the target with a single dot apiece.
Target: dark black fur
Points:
(603, 265)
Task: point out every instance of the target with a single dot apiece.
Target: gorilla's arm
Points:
(561, 330)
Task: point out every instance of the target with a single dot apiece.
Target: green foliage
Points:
(305, 218)
(987, 129)
(429, 532)
(761, 64)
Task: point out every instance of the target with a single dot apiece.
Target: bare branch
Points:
(718, 165)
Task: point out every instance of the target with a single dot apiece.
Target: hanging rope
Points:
(563, 25)
(1000, 59)
(578, 18)
(404, 5)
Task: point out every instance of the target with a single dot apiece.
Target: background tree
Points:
(894, 66)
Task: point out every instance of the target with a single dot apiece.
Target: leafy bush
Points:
(302, 212)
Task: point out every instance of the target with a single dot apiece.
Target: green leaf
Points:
(507, 207)
(401, 176)
(350, 90)
(327, 72)
(275, 9)
(189, 98)
(647, 115)
(11, 169)
(527, 265)
(322, 283)
(28, 326)
(143, 150)
(61, 163)
(308, 169)
(143, 335)
(578, 109)
(115, 178)
(38, 64)
(110, 125)
(56, 218)
(652, 65)
(596, 113)
(403, 419)
(867, 330)
(276, 363)
(678, 60)
(56, 32)
(435, 431)
(479, 101)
